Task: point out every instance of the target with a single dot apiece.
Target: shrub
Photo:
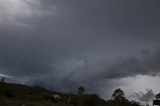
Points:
(9, 93)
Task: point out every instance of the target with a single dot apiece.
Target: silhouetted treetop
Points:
(81, 90)
(118, 94)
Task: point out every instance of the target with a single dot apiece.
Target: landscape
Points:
(22, 95)
(79, 52)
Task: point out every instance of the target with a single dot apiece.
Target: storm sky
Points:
(98, 44)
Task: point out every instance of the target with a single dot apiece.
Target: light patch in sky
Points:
(140, 83)
(12, 79)
(16, 11)
(22, 8)
(3, 75)
(132, 85)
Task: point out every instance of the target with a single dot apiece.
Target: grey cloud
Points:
(145, 97)
(132, 66)
(78, 42)
(93, 72)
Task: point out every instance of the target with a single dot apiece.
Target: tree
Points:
(3, 79)
(81, 90)
(157, 96)
(120, 100)
(118, 94)
(156, 100)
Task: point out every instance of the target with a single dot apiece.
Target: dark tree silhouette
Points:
(156, 101)
(157, 96)
(3, 79)
(118, 94)
(120, 100)
(81, 90)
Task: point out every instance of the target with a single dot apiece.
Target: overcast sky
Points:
(99, 44)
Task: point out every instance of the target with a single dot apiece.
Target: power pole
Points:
(69, 99)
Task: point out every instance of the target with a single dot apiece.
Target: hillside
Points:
(22, 95)
(13, 94)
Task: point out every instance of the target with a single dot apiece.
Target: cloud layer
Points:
(62, 45)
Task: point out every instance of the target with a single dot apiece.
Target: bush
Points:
(9, 94)
(48, 97)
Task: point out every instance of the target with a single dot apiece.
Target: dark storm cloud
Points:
(148, 64)
(75, 42)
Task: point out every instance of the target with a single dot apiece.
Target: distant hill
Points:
(23, 95)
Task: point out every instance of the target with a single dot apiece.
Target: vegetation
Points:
(157, 96)
(36, 96)
(118, 99)
(81, 90)
(3, 79)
